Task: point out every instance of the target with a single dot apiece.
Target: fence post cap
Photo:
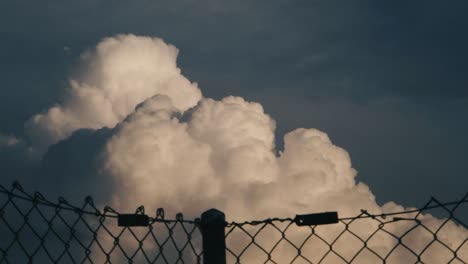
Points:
(213, 216)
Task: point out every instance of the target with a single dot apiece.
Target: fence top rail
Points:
(433, 203)
(89, 208)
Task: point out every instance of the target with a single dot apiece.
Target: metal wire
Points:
(397, 237)
(34, 229)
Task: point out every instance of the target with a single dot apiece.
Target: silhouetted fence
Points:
(36, 230)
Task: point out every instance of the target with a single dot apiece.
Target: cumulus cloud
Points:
(166, 146)
(152, 147)
(119, 73)
(221, 153)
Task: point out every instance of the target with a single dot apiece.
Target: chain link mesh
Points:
(400, 237)
(34, 229)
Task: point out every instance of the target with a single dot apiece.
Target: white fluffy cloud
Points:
(222, 154)
(172, 148)
(150, 151)
(119, 73)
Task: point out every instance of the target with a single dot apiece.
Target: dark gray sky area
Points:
(386, 80)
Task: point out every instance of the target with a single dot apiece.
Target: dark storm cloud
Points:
(77, 157)
(17, 163)
(342, 61)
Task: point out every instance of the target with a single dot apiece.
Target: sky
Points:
(386, 81)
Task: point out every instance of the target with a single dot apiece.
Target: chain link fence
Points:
(36, 230)
(399, 237)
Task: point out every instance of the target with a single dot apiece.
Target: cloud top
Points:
(119, 73)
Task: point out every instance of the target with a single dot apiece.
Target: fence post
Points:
(213, 223)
